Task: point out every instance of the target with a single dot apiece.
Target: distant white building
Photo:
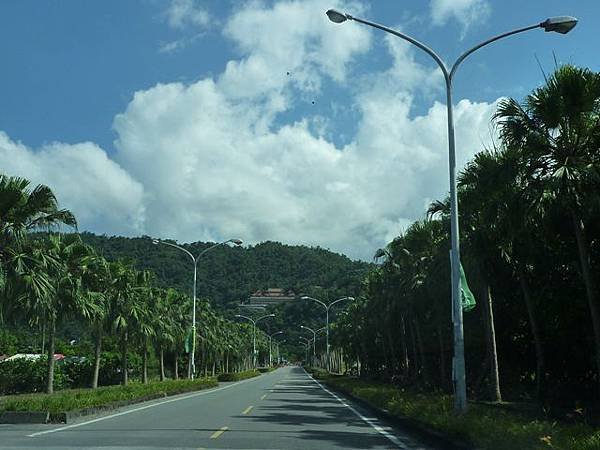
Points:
(271, 296)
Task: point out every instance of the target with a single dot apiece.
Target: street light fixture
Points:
(327, 307)
(561, 24)
(254, 322)
(270, 348)
(195, 259)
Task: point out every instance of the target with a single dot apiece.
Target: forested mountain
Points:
(228, 275)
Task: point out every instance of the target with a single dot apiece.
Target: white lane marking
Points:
(129, 411)
(367, 420)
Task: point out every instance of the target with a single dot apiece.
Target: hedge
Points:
(237, 376)
(75, 399)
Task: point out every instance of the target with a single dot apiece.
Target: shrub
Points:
(70, 400)
(78, 371)
(237, 376)
(25, 375)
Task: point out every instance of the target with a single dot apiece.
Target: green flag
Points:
(466, 296)
(189, 341)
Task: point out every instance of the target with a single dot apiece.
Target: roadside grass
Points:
(76, 399)
(484, 426)
(237, 376)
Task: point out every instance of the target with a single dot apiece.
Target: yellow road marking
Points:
(247, 410)
(263, 397)
(218, 433)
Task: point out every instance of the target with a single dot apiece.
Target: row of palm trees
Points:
(47, 278)
(529, 210)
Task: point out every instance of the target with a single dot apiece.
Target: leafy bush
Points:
(110, 368)
(70, 400)
(237, 376)
(24, 375)
(78, 371)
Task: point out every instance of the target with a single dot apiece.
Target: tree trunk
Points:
(124, 357)
(97, 354)
(424, 373)
(43, 336)
(405, 364)
(411, 329)
(161, 357)
(443, 375)
(540, 372)
(145, 361)
(590, 288)
(51, 333)
(490, 333)
(175, 366)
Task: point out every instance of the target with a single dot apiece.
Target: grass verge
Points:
(237, 376)
(77, 399)
(485, 427)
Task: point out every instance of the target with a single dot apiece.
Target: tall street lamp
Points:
(305, 341)
(270, 346)
(563, 25)
(278, 343)
(195, 259)
(327, 307)
(254, 322)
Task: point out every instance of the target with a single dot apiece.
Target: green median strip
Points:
(486, 427)
(237, 376)
(87, 401)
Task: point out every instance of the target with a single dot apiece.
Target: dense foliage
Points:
(529, 215)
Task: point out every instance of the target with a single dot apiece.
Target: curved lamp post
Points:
(254, 322)
(270, 346)
(278, 343)
(561, 24)
(305, 341)
(327, 306)
(195, 261)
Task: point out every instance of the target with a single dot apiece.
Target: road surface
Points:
(284, 409)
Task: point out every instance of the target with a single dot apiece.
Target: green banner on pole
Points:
(189, 341)
(466, 296)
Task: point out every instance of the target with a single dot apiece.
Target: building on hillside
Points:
(271, 296)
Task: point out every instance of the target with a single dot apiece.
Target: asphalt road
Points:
(284, 409)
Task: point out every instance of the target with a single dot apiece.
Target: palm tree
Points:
(557, 128)
(123, 306)
(23, 210)
(96, 287)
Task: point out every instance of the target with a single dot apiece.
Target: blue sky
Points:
(179, 119)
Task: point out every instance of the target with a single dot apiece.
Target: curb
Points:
(15, 417)
(426, 434)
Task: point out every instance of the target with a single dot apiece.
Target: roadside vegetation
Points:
(529, 221)
(53, 285)
(77, 399)
(237, 376)
(484, 426)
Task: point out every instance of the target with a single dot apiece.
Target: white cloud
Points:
(184, 13)
(466, 12)
(212, 159)
(102, 195)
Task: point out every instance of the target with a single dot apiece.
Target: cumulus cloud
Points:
(466, 12)
(102, 195)
(185, 13)
(214, 159)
